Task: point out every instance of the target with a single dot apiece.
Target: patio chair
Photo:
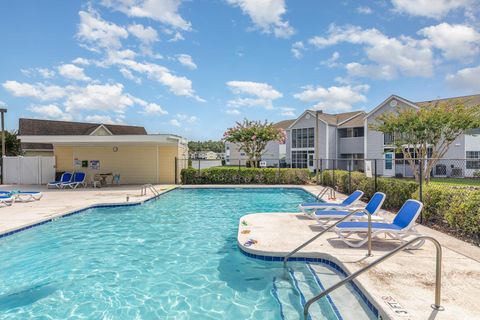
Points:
(6, 199)
(65, 178)
(401, 227)
(27, 196)
(77, 179)
(323, 217)
(345, 204)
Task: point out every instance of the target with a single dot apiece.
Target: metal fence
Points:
(445, 173)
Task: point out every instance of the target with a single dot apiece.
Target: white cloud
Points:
(456, 41)
(467, 79)
(232, 111)
(180, 86)
(51, 111)
(364, 10)
(153, 108)
(187, 61)
(287, 111)
(404, 55)
(263, 94)
(99, 97)
(129, 75)
(266, 15)
(146, 35)
(96, 118)
(164, 11)
(332, 61)
(385, 72)
(81, 61)
(43, 72)
(297, 49)
(436, 9)
(176, 37)
(73, 72)
(175, 122)
(38, 91)
(333, 99)
(97, 33)
(186, 118)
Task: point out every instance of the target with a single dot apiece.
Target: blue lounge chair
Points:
(348, 202)
(323, 217)
(401, 227)
(65, 178)
(77, 179)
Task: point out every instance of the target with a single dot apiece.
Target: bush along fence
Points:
(449, 188)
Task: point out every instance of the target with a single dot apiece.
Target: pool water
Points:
(172, 258)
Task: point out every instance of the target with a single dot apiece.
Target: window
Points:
(473, 164)
(300, 159)
(303, 138)
(388, 139)
(351, 132)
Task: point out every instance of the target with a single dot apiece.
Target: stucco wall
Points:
(134, 164)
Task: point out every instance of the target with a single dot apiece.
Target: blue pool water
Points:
(172, 258)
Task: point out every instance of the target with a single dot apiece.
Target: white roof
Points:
(157, 139)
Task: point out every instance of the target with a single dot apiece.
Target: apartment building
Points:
(349, 136)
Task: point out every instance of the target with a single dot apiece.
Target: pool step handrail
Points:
(143, 191)
(324, 191)
(438, 273)
(303, 245)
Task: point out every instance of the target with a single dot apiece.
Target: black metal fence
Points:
(446, 173)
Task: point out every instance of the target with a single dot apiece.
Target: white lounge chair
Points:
(348, 202)
(401, 227)
(323, 217)
(65, 178)
(27, 196)
(6, 199)
(77, 180)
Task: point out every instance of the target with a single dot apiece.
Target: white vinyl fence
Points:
(28, 170)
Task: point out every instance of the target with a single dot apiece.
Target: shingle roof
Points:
(284, 124)
(468, 101)
(37, 127)
(336, 119)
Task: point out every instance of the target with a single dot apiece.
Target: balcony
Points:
(351, 145)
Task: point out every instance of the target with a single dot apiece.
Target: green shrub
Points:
(397, 191)
(235, 175)
(459, 207)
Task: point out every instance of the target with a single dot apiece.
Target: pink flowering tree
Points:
(252, 138)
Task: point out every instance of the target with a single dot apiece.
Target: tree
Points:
(429, 131)
(12, 144)
(210, 145)
(252, 138)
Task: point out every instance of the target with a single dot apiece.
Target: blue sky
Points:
(195, 67)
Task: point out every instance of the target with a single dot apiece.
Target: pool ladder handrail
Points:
(438, 273)
(303, 245)
(324, 191)
(143, 191)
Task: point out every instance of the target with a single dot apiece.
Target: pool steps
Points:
(291, 292)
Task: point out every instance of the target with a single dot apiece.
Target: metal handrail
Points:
(285, 260)
(324, 191)
(438, 273)
(143, 191)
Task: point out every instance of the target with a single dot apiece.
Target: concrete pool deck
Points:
(58, 202)
(407, 278)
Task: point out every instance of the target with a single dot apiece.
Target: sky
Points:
(194, 68)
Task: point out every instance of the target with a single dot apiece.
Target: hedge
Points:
(235, 175)
(459, 207)
(397, 191)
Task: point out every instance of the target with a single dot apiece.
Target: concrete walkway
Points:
(57, 202)
(408, 278)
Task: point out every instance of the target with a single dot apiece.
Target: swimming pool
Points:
(172, 258)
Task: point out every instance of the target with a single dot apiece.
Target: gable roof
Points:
(468, 101)
(337, 120)
(37, 127)
(284, 124)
